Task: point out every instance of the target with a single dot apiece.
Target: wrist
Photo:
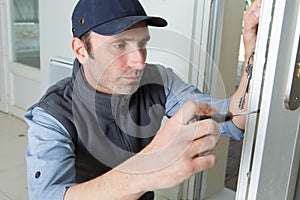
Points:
(249, 51)
(142, 176)
(131, 178)
(130, 183)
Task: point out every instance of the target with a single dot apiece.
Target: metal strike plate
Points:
(292, 98)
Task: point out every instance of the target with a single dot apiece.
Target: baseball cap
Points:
(110, 17)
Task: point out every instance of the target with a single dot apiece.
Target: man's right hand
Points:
(179, 150)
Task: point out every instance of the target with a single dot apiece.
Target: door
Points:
(21, 55)
(270, 158)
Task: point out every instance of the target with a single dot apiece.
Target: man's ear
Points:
(79, 50)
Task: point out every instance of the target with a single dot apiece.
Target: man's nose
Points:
(137, 58)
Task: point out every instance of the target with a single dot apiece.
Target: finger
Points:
(254, 9)
(250, 31)
(252, 12)
(202, 128)
(255, 13)
(256, 4)
(206, 109)
(202, 146)
(201, 163)
(192, 108)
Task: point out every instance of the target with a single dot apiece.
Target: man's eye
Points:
(143, 44)
(119, 46)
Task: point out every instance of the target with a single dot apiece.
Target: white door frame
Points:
(3, 54)
(23, 84)
(270, 158)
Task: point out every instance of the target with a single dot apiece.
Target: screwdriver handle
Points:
(219, 118)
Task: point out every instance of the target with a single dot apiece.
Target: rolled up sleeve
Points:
(50, 157)
(178, 92)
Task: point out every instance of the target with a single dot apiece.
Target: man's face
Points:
(118, 61)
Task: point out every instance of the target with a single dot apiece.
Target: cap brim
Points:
(119, 25)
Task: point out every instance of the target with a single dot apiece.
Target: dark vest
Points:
(106, 130)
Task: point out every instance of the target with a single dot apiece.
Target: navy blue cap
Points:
(110, 17)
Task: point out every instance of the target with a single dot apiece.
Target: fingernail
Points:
(257, 12)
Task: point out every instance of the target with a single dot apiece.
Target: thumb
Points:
(192, 108)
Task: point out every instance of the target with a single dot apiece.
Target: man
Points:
(98, 134)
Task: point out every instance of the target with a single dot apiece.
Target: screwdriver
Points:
(223, 117)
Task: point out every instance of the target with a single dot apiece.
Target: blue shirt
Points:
(54, 150)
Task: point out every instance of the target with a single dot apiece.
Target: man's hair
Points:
(86, 39)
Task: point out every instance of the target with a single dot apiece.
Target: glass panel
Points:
(26, 32)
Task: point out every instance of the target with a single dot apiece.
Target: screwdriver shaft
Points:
(223, 117)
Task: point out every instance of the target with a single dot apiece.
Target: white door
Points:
(21, 55)
(271, 151)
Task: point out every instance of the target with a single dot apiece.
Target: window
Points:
(25, 15)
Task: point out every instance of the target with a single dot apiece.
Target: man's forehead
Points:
(135, 32)
(139, 28)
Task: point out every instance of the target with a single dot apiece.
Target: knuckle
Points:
(192, 104)
(212, 160)
(205, 163)
(211, 141)
(211, 127)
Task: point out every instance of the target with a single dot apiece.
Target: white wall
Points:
(55, 32)
(171, 46)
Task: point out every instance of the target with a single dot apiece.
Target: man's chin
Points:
(126, 90)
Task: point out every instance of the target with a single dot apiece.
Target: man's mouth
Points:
(133, 77)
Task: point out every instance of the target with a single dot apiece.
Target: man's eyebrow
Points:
(126, 39)
(121, 39)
